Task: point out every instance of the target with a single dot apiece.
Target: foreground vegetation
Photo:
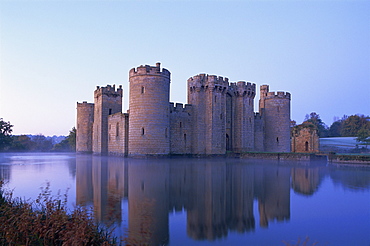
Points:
(47, 222)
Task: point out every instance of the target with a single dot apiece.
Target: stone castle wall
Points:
(259, 134)
(219, 117)
(149, 131)
(276, 113)
(242, 95)
(180, 128)
(118, 134)
(85, 121)
(107, 101)
(305, 139)
(207, 95)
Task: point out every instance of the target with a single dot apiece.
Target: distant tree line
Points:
(36, 143)
(348, 126)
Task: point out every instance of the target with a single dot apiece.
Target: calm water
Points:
(205, 201)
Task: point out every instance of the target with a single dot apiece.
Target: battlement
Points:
(85, 104)
(179, 107)
(150, 70)
(205, 81)
(279, 94)
(109, 91)
(242, 88)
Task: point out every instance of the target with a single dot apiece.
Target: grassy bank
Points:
(363, 159)
(46, 221)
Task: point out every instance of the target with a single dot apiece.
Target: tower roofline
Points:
(150, 70)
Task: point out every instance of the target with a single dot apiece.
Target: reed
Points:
(47, 221)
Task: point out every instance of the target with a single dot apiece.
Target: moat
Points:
(189, 201)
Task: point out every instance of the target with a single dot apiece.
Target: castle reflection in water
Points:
(217, 194)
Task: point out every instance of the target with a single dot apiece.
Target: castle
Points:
(218, 118)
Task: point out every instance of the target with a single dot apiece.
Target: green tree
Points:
(363, 136)
(314, 118)
(41, 143)
(5, 134)
(353, 124)
(69, 143)
(22, 143)
(335, 128)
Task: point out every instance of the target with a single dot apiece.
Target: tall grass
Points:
(47, 221)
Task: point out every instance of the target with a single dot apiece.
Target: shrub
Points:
(46, 221)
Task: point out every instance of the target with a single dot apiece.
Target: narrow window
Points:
(110, 111)
(185, 138)
(142, 90)
(142, 131)
(221, 116)
(117, 130)
(277, 139)
(165, 132)
(306, 146)
(180, 124)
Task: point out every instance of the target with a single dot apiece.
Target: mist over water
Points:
(185, 201)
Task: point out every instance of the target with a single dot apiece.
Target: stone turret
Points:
(243, 128)
(275, 108)
(149, 122)
(107, 101)
(84, 130)
(207, 94)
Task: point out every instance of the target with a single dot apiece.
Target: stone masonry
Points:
(218, 118)
(305, 139)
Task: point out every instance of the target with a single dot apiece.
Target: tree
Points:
(69, 143)
(314, 118)
(5, 134)
(22, 143)
(293, 123)
(353, 124)
(335, 128)
(363, 136)
(41, 143)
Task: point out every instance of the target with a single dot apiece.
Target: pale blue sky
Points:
(54, 53)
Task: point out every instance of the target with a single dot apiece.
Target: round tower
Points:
(85, 121)
(149, 122)
(277, 121)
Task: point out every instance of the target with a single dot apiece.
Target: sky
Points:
(53, 54)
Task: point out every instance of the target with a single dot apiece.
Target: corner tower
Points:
(275, 110)
(149, 122)
(107, 101)
(84, 130)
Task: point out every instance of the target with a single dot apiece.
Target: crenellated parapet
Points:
(276, 95)
(242, 88)
(109, 90)
(179, 107)
(85, 104)
(150, 70)
(202, 82)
